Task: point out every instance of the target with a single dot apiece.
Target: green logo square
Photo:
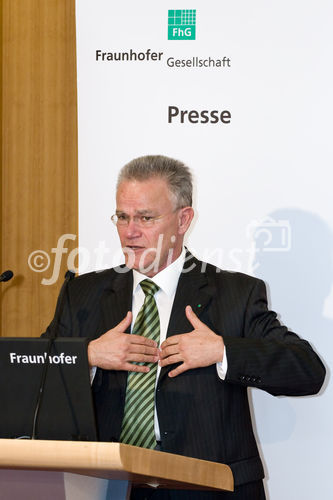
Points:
(181, 24)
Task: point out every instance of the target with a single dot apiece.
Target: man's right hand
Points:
(116, 350)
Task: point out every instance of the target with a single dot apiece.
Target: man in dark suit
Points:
(216, 337)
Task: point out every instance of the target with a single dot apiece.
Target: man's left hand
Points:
(199, 348)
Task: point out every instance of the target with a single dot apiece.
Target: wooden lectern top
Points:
(115, 461)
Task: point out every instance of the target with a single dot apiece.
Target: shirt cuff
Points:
(92, 373)
(222, 366)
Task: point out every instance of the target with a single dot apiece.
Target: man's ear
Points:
(185, 217)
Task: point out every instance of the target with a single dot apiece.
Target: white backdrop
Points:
(263, 181)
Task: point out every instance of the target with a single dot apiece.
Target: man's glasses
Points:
(140, 220)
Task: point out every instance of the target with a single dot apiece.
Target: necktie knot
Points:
(149, 287)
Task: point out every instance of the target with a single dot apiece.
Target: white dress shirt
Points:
(167, 281)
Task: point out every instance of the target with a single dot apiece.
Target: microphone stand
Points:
(60, 305)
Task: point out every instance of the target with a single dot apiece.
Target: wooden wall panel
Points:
(39, 154)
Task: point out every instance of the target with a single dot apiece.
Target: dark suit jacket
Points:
(199, 414)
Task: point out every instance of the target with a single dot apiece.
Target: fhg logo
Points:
(181, 24)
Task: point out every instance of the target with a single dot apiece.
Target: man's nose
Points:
(133, 229)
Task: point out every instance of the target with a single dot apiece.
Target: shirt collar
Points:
(167, 279)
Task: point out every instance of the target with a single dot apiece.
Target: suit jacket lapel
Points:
(117, 299)
(193, 289)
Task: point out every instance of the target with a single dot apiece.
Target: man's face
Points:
(149, 249)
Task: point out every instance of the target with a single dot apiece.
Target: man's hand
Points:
(116, 350)
(201, 347)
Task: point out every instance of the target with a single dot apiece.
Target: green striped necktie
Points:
(138, 421)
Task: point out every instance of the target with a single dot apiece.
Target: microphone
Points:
(60, 305)
(6, 275)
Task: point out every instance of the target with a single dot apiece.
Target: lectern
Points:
(115, 461)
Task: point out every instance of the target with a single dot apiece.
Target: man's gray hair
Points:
(177, 175)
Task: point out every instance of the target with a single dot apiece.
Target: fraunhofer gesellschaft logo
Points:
(181, 24)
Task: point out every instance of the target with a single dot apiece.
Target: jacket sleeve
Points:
(269, 356)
